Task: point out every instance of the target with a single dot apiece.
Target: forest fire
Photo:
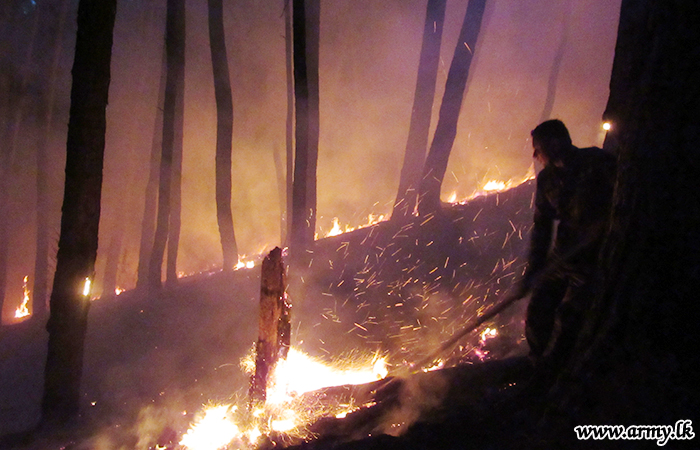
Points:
(286, 410)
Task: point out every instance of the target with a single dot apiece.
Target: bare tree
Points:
(306, 15)
(15, 100)
(148, 221)
(224, 133)
(175, 60)
(446, 131)
(417, 143)
(289, 124)
(77, 246)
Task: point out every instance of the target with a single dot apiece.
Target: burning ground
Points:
(387, 292)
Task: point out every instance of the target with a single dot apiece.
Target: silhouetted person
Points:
(572, 203)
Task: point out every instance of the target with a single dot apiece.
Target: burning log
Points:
(273, 324)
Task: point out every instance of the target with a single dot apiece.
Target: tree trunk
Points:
(15, 117)
(224, 133)
(289, 125)
(273, 324)
(423, 99)
(176, 186)
(175, 60)
(446, 131)
(148, 221)
(77, 246)
(306, 16)
(556, 65)
(641, 338)
(43, 229)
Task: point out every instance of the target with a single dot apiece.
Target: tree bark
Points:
(175, 60)
(306, 16)
(289, 123)
(446, 131)
(273, 324)
(632, 343)
(417, 143)
(176, 180)
(15, 117)
(77, 246)
(148, 221)
(224, 133)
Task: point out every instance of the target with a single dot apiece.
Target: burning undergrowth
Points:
(376, 303)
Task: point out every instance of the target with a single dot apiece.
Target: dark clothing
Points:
(572, 204)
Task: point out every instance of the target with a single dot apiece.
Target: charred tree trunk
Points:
(556, 65)
(148, 221)
(273, 324)
(224, 133)
(289, 128)
(306, 14)
(176, 187)
(41, 259)
(175, 60)
(77, 246)
(446, 131)
(423, 99)
(631, 344)
(15, 118)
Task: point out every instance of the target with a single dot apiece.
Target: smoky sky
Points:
(368, 65)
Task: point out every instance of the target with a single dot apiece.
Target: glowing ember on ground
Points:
(22, 310)
(285, 410)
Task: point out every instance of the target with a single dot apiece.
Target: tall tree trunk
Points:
(41, 259)
(15, 117)
(176, 187)
(148, 221)
(556, 65)
(289, 125)
(224, 133)
(175, 57)
(77, 245)
(455, 89)
(306, 15)
(632, 343)
(423, 99)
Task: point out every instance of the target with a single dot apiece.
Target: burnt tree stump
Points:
(273, 324)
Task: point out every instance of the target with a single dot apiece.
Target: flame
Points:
(284, 411)
(86, 287)
(494, 185)
(22, 310)
(607, 126)
(213, 431)
(491, 186)
(336, 229)
(243, 264)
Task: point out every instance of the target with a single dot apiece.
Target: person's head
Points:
(550, 140)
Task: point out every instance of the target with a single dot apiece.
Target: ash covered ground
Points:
(151, 362)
